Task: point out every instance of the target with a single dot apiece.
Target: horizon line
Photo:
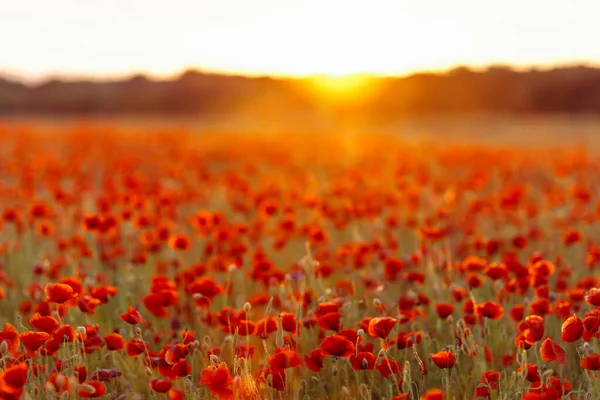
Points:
(153, 76)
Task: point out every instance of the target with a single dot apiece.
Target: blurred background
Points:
(466, 70)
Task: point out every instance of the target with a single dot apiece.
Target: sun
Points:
(343, 87)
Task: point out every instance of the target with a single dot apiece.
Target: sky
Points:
(106, 38)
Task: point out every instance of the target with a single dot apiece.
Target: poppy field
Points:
(173, 265)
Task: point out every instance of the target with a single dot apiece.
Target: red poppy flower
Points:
(444, 310)
(591, 362)
(64, 334)
(288, 322)
(381, 327)
(180, 241)
(517, 312)
(489, 309)
(132, 316)
(218, 380)
(532, 329)
(571, 329)
(283, 359)
(206, 286)
(136, 346)
(58, 292)
(87, 304)
(10, 336)
(46, 324)
(181, 368)
(593, 297)
(33, 340)
(433, 394)
(388, 367)
(337, 345)
(14, 376)
(314, 361)
(496, 271)
(81, 372)
(443, 359)
(114, 342)
(160, 385)
(364, 360)
(533, 374)
(330, 321)
(551, 351)
(275, 379)
(265, 326)
(92, 389)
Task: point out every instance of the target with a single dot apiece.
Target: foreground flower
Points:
(365, 360)
(218, 380)
(381, 327)
(571, 329)
(551, 351)
(33, 341)
(12, 381)
(58, 292)
(337, 345)
(591, 362)
(314, 361)
(283, 359)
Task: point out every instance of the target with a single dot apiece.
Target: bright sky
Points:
(290, 37)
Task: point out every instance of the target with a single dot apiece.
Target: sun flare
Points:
(343, 87)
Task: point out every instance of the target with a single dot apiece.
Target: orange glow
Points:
(343, 88)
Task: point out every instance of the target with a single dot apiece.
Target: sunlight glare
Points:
(343, 87)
